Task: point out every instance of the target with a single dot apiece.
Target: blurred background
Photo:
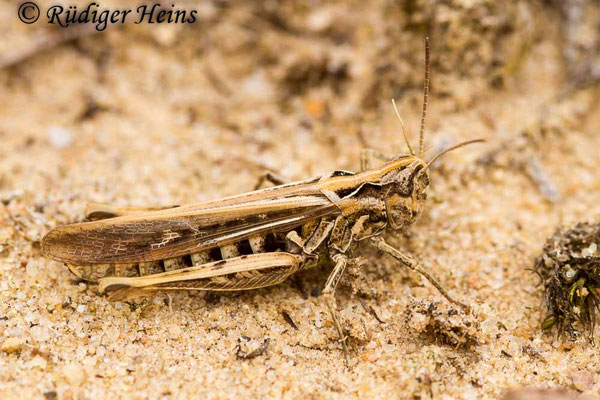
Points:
(258, 83)
(177, 113)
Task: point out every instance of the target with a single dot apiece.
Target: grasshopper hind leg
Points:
(328, 293)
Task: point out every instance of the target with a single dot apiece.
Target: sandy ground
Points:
(170, 114)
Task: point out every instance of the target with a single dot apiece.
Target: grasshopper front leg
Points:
(328, 292)
(412, 264)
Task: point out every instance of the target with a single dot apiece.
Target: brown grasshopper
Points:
(255, 239)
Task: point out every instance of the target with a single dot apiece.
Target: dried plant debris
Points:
(288, 318)
(248, 348)
(570, 270)
(443, 323)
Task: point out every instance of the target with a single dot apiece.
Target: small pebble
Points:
(50, 395)
(60, 137)
(165, 35)
(13, 332)
(318, 322)
(74, 374)
(101, 351)
(12, 345)
(582, 380)
(175, 331)
(38, 362)
(590, 251)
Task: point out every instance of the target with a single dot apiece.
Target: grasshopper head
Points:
(406, 179)
(405, 191)
(405, 186)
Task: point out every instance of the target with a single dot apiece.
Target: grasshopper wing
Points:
(188, 229)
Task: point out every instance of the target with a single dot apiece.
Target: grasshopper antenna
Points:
(425, 95)
(449, 149)
(412, 151)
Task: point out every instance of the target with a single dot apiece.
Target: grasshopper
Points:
(255, 239)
